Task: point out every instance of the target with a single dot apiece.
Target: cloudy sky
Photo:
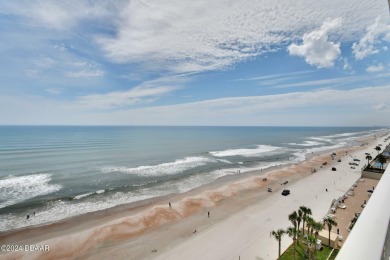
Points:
(174, 62)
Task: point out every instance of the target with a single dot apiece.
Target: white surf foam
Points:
(325, 148)
(258, 151)
(300, 155)
(322, 139)
(163, 168)
(58, 210)
(20, 188)
(82, 195)
(307, 143)
(341, 135)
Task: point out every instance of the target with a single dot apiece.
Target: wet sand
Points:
(242, 213)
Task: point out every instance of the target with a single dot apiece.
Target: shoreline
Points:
(99, 231)
(147, 202)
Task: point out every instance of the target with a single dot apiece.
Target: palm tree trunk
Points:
(307, 248)
(295, 248)
(280, 248)
(329, 239)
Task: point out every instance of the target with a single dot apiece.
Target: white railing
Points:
(368, 237)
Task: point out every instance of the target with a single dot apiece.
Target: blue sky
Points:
(195, 63)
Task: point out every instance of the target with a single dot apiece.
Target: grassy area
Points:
(300, 254)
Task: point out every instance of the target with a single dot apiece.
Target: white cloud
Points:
(85, 74)
(85, 69)
(346, 65)
(381, 107)
(54, 91)
(59, 15)
(182, 36)
(316, 49)
(123, 98)
(336, 107)
(375, 68)
(368, 44)
(358, 107)
(320, 82)
(144, 93)
(60, 46)
(276, 76)
(32, 73)
(44, 62)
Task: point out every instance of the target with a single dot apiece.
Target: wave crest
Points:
(20, 188)
(258, 151)
(169, 168)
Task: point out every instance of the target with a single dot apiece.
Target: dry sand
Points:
(242, 215)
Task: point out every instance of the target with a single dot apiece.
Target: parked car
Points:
(352, 167)
(339, 160)
(269, 189)
(356, 160)
(334, 169)
(285, 192)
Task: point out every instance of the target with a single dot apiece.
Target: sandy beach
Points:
(242, 215)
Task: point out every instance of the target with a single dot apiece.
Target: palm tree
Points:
(293, 217)
(293, 233)
(317, 226)
(299, 219)
(378, 148)
(330, 222)
(278, 234)
(368, 157)
(306, 211)
(309, 224)
(382, 160)
(311, 240)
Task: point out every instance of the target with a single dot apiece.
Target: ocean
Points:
(63, 171)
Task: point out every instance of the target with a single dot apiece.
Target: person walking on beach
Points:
(326, 190)
(208, 214)
(170, 206)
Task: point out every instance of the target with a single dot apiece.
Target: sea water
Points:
(63, 171)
